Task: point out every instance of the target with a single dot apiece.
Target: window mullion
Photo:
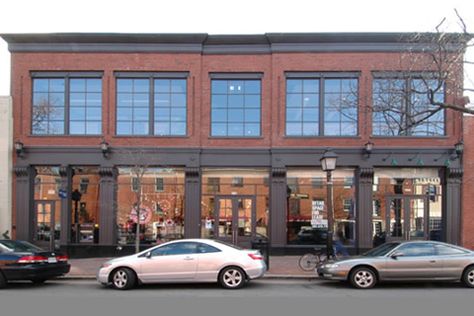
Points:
(321, 106)
(66, 106)
(151, 107)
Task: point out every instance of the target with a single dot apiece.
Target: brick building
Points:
(228, 131)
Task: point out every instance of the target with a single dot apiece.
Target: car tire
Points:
(232, 278)
(363, 278)
(123, 279)
(468, 277)
(3, 281)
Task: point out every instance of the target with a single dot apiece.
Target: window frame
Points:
(151, 77)
(407, 79)
(66, 76)
(321, 77)
(254, 76)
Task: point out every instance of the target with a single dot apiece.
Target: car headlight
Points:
(331, 266)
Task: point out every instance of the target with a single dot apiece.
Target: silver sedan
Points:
(404, 261)
(186, 260)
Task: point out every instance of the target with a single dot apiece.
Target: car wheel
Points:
(468, 277)
(232, 278)
(123, 279)
(363, 278)
(3, 281)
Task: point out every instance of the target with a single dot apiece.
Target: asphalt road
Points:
(262, 297)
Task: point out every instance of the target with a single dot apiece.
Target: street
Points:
(262, 297)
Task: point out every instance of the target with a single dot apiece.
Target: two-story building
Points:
(221, 136)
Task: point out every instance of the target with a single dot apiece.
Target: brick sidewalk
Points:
(280, 266)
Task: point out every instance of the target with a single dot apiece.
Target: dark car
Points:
(20, 260)
(312, 236)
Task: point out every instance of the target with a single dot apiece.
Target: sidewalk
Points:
(280, 267)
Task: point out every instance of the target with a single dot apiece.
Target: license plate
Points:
(52, 260)
(326, 275)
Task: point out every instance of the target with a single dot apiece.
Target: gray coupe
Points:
(404, 261)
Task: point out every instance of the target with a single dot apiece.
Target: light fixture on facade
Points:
(368, 148)
(328, 164)
(104, 146)
(19, 149)
(459, 148)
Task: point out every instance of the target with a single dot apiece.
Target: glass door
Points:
(407, 218)
(46, 235)
(235, 219)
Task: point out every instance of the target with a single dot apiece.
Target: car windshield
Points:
(20, 246)
(381, 250)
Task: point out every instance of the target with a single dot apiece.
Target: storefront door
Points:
(235, 215)
(45, 234)
(407, 217)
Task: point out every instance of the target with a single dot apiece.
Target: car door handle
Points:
(432, 261)
(188, 258)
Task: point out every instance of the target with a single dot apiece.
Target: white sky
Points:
(225, 17)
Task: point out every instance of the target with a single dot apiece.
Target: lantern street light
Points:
(328, 164)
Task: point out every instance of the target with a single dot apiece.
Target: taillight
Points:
(255, 256)
(62, 258)
(32, 259)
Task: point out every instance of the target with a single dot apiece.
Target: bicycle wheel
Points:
(308, 262)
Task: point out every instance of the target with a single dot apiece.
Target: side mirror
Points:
(396, 254)
(148, 255)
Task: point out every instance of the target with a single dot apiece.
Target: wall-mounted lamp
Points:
(459, 148)
(19, 149)
(368, 148)
(105, 148)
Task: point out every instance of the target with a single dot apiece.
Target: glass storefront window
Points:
(307, 222)
(241, 198)
(407, 204)
(85, 204)
(47, 206)
(161, 191)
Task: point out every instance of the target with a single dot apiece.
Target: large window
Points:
(67, 104)
(151, 104)
(307, 222)
(401, 107)
(235, 108)
(317, 105)
(161, 215)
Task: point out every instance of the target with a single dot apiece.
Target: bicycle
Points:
(309, 261)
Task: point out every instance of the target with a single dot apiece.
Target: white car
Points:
(183, 261)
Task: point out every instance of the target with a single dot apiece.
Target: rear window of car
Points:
(19, 246)
(228, 244)
(443, 250)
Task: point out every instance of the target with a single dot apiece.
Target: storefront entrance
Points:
(235, 219)
(407, 217)
(45, 235)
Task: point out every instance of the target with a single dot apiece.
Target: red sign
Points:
(145, 215)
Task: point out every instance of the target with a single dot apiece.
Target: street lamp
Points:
(328, 164)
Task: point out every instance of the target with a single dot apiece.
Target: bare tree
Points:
(413, 100)
(40, 114)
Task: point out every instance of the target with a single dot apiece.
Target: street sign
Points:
(62, 194)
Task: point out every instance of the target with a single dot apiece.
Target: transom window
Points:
(401, 107)
(67, 104)
(154, 105)
(235, 108)
(321, 105)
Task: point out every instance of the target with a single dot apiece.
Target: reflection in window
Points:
(235, 106)
(159, 109)
(161, 215)
(83, 106)
(307, 222)
(401, 107)
(338, 99)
